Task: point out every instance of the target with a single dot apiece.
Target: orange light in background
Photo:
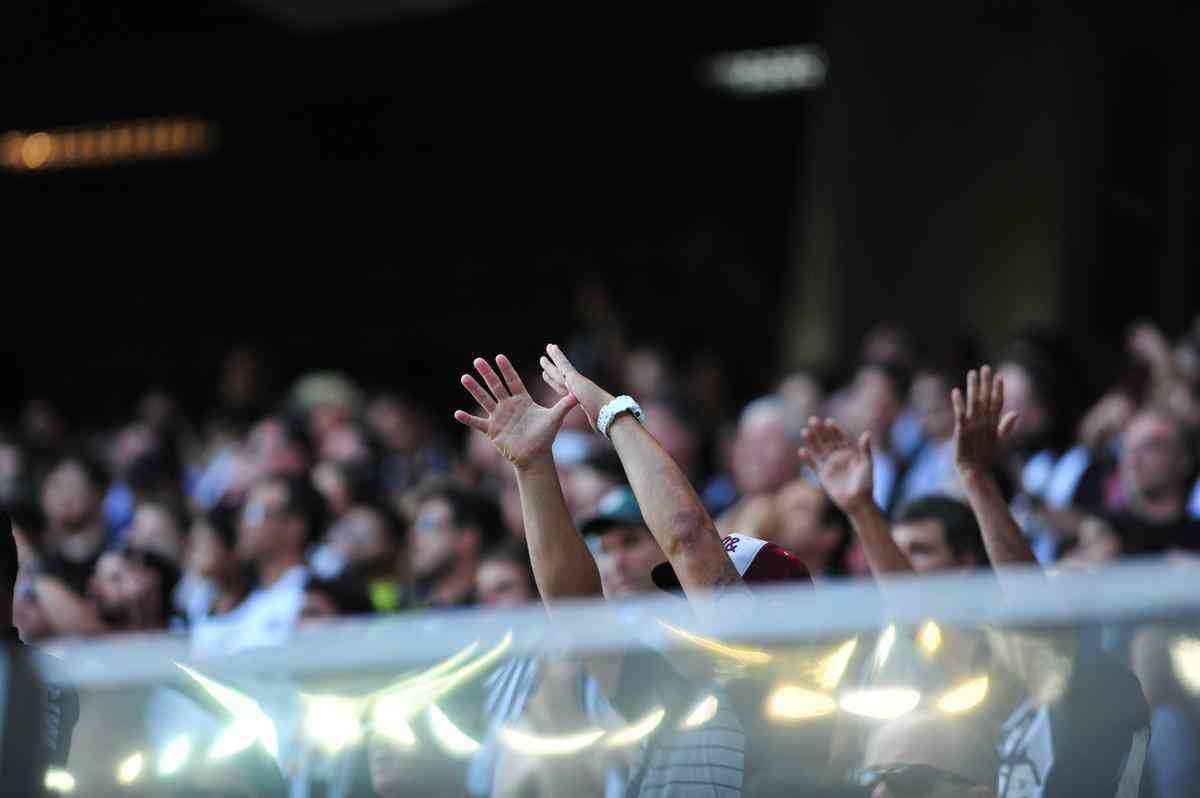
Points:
(116, 143)
(36, 150)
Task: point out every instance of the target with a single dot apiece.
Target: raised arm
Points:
(672, 510)
(524, 432)
(846, 473)
(980, 427)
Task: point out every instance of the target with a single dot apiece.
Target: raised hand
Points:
(846, 470)
(980, 423)
(558, 372)
(520, 428)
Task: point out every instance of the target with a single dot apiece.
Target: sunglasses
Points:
(910, 780)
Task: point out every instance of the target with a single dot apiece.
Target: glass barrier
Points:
(1014, 684)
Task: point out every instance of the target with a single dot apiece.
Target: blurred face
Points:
(673, 435)
(500, 583)
(362, 538)
(434, 542)
(584, 487)
(155, 529)
(1020, 396)
(1153, 461)
(931, 401)
(271, 452)
(396, 425)
(207, 555)
(800, 506)
(69, 499)
(873, 403)
(263, 528)
(629, 554)
(127, 593)
(924, 543)
(764, 457)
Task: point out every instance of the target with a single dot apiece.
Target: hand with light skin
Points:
(558, 372)
(980, 424)
(846, 471)
(521, 429)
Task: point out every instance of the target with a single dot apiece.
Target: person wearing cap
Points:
(710, 571)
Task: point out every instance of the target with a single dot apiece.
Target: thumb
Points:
(864, 444)
(562, 407)
(1007, 425)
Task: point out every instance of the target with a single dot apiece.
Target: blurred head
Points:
(765, 448)
(586, 483)
(278, 447)
(280, 519)
(368, 541)
(939, 534)
(212, 544)
(397, 424)
(156, 527)
(674, 433)
(802, 393)
(922, 755)
(627, 555)
(132, 588)
(931, 401)
(326, 599)
(73, 492)
(646, 373)
(812, 527)
(1024, 393)
(451, 529)
(1154, 456)
(505, 578)
(876, 397)
(328, 401)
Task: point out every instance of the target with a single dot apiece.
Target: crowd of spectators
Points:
(271, 512)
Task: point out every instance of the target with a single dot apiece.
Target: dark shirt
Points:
(60, 705)
(1141, 536)
(74, 574)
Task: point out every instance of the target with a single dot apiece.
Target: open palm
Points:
(846, 471)
(521, 429)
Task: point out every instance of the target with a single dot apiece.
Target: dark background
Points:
(395, 192)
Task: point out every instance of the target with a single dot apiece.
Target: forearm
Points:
(672, 510)
(1002, 536)
(875, 533)
(67, 613)
(562, 564)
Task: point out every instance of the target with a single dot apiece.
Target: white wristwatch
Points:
(609, 413)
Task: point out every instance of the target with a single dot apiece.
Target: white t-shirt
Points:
(266, 618)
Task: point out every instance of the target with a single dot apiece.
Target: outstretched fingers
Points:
(474, 422)
(473, 387)
(1007, 425)
(972, 395)
(560, 360)
(493, 381)
(511, 378)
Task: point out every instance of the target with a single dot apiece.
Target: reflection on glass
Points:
(538, 745)
(748, 656)
(790, 702)
(884, 648)
(882, 703)
(1185, 659)
(332, 722)
(930, 638)
(389, 718)
(59, 780)
(830, 670)
(175, 755)
(131, 768)
(703, 713)
(451, 738)
(636, 731)
(249, 725)
(965, 696)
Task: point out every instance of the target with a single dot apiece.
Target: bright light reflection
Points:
(250, 724)
(705, 711)
(451, 738)
(829, 670)
(965, 696)
(537, 745)
(1185, 659)
(174, 755)
(790, 702)
(634, 732)
(749, 656)
(332, 722)
(884, 649)
(930, 638)
(59, 780)
(881, 703)
(389, 718)
(131, 768)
